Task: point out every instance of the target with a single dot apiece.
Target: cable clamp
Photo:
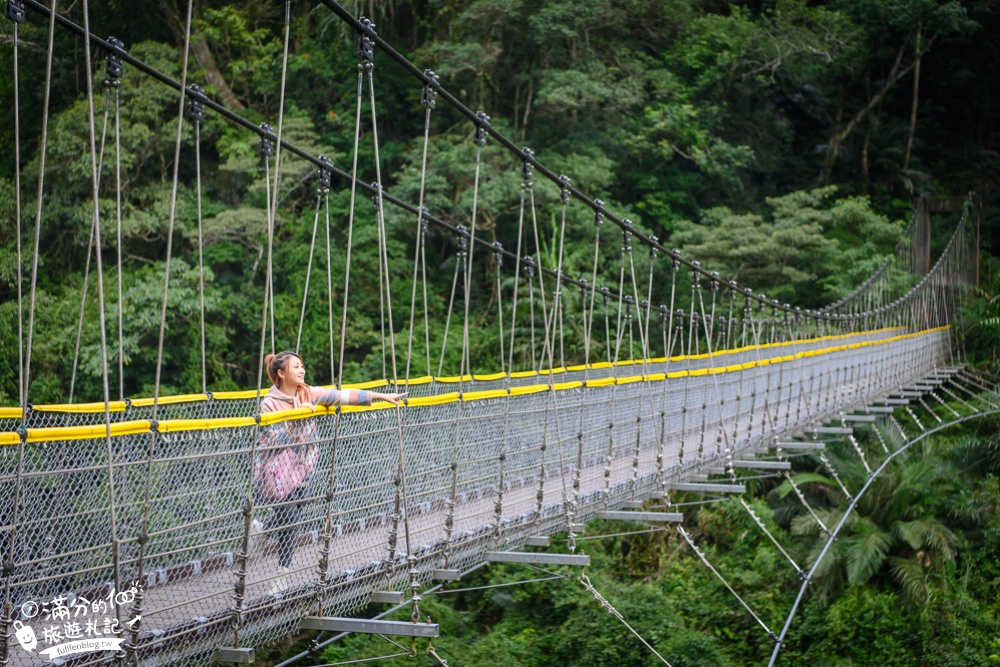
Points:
(14, 10)
(366, 45)
(324, 174)
(627, 235)
(377, 194)
(428, 96)
(114, 67)
(527, 168)
(482, 128)
(267, 139)
(564, 191)
(195, 110)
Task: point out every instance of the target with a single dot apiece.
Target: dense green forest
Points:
(780, 142)
(912, 581)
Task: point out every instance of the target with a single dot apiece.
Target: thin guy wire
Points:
(418, 255)
(201, 258)
(309, 266)
(26, 378)
(17, 220)
(118, 231)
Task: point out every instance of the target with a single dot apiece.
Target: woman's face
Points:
(295, 371)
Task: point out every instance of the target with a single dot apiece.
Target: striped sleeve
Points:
(323, 396)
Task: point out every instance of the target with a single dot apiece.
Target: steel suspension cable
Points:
(556, 309)
(90, 250)
(267, 151)
(588, 321)
(196, 114)
(427, 99)
(95, 179)
(116, 83)
(459, 263)
(272, 211)
(16, 15)
(383, 251)
(704, 559)
(309, 266)
(143, 531)
(617, 614)
(26, 378)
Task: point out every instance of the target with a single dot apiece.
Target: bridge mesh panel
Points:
(198, 482)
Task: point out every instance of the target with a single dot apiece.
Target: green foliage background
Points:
(764, 139)
(769, 139)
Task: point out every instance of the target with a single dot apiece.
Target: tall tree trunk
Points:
(839, 136)
(916, 98)
(202, 53)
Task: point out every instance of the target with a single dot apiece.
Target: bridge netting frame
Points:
(166, 505)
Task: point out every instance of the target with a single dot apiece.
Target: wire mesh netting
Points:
(176, 514)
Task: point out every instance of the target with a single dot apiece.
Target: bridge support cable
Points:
(722, 443)
(309, 267)
(667, 318)
(770, 536)
(479, 140)
(366, 52)
(557, 331)
(836, 476)
(95, 188)
(679, 336)
(505, 369)
(609, 458)
(428, 99)
(589, 587)
(832, 535)
(272, 191)
(113, 82)
(588, 328)
(805, 503)
(460, 259)
(15, 13)
(644, 344)
(196, 114)
(954, 381)
(929, 411)
(267, 152)
(708, 564)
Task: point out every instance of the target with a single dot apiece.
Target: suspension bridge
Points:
(141, 512)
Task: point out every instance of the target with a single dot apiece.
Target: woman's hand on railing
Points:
(391, 398)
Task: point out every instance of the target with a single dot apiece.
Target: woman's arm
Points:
(321, 396)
